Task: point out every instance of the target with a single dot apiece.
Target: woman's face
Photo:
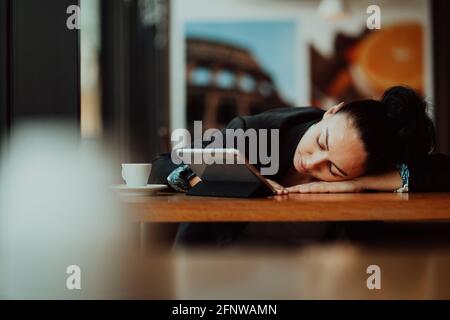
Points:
(331, 150)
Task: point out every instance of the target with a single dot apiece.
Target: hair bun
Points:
(412, 128)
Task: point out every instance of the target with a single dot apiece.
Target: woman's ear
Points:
(333, 110)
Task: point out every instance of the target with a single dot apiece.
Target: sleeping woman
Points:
(378, 145)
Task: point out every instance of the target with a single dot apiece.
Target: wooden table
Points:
(175, 208)
(311, 273)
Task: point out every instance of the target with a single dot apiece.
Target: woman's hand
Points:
(328, 187)
(279, 189)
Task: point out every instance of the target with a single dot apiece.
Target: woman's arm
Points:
(161, 169)
(387, 182)
(162, 166)
(429, 174)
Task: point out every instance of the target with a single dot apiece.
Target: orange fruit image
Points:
(390, 56)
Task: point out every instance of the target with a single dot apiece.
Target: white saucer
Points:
(149, 189)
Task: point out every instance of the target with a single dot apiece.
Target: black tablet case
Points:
(230, 189)
(215, 183)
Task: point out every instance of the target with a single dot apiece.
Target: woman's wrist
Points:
(194, 181)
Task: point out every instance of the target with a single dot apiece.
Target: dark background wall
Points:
(39, 62)
(135, 82)
(4, 70)
(441, 47)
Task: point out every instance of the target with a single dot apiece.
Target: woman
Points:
(373, 145)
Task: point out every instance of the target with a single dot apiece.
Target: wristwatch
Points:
(180, 177)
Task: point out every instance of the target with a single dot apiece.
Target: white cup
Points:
(136, 174)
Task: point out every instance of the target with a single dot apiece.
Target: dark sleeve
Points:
(163, 165)
(431, 173)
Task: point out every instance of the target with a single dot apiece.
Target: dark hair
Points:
(396, 129)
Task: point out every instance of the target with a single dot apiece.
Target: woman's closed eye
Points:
(322, 147)
(322, 140)
(330, 164)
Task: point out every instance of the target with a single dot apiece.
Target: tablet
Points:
(226, 172)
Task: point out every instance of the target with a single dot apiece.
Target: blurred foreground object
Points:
(56, 211)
